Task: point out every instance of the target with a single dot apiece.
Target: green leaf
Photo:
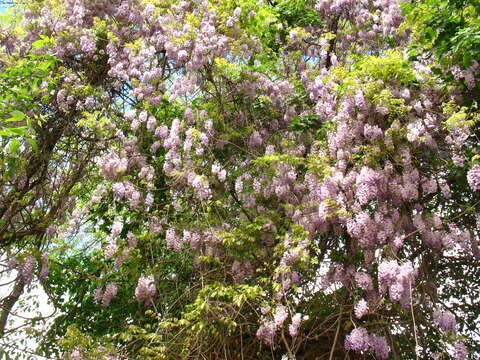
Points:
(20, 131)
(38, 44)
(16, 116)
(7, 132)
(467, 59)
(45, 40)
(429, 33)
(34, 144)
(14, 145)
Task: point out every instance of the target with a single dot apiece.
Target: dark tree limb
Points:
(9, 302)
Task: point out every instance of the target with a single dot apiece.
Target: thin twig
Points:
(413, 318)
(339, 321)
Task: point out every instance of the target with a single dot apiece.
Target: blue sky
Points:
(2, 8)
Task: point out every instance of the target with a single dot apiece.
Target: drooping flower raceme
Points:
(145, 290)
(295, 325)
(110, 292)
(359, 340)
(361, 308)
(473, 177)
(445, 320)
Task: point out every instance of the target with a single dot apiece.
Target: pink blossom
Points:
(132, 240)
(98, 294)
(361, 308)
(145, 290)
(173, 241)
(116, 228)
(44, 269)
(110, 250)
(110, 292)
(473, 177)
(76, 355)
(241, 270)
(460, 351)
(445, 320)
(281, 314)
(266, 333)
(111, 165)
(358, 340)
(295, 324)
(26, 269)
(379, 347)
(359, 100)
(237, 12)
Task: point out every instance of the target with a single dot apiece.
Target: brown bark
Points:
(9, 302)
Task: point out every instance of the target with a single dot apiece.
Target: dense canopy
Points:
(248, 179)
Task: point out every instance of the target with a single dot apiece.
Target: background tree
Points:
(49, 141)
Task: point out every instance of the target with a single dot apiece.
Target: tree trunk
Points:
(8, 303)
